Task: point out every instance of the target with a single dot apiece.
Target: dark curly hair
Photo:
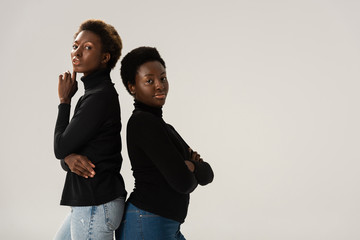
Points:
(133, 60)
(110, 39)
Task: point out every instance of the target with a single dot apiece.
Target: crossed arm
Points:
(82, 166)
(78, 164)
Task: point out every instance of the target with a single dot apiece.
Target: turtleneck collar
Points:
(95, 79)
(143, 107)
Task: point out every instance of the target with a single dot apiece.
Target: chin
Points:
(157, 105)
(76, 69)
(160, 103)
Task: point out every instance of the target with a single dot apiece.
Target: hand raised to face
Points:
(67, 87)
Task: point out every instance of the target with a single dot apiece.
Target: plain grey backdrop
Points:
(266, 91)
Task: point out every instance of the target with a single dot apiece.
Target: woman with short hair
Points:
(165, 168)
(89, 145)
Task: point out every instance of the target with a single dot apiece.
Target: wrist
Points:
(65, 100)
(190, 165)
(195, 163)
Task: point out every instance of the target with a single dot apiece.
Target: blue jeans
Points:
(139, 224)
(92, 222)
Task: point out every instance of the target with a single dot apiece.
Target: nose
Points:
(159, 85)
(78, 52)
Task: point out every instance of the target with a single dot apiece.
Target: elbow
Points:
(61, 148)
(59, 154)
(188, 189)
(183, 182)
(187, 186)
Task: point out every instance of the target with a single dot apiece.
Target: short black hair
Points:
(134, 59)
(110, 39)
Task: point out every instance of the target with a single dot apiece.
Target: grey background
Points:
(266, 91)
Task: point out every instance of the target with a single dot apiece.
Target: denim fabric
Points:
(139, 224)
(92, 222)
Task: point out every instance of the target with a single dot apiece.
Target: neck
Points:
(143, 107)
(96, 78)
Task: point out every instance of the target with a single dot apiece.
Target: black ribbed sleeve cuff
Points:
(203, 172)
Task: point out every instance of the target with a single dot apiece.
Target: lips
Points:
(75, 61)
(160, 96)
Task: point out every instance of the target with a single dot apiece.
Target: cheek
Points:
(96, 59)
(144, 92)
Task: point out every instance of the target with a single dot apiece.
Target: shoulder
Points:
(108, 89)
(141, 117)
(170, 126)
(141, 121)
(100, 102)
(105, 94)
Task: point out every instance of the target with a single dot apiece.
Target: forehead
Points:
(152, 67)
(88, 36)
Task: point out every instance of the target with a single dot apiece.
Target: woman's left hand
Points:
(80, 165)
(67, 87)
(194, 156)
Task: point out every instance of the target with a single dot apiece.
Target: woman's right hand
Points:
(67, 87)
(190, 165)
(80, 165)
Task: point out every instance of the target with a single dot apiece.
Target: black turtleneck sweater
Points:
(157, 154)
(94, 131)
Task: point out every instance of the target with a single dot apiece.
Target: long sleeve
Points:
(157, 154)
(150, 135)
(203, 171)
(93, 131)
(64, 165)
(71, 136)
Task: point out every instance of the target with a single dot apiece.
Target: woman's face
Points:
(87, 55)
(151, 85)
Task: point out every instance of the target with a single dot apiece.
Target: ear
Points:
(132, 89)
(106, 58)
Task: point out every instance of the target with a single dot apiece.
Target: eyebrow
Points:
(77, 42)
(150, 74)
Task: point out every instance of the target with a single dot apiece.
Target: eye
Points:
(149, 81)
(164, 79)
(74, 46)
(87, 47)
